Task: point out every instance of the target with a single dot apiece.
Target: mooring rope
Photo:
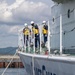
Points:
(8, 64)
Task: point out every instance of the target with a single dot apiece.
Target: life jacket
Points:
(45, 29)
(35, 30)
(26, 31)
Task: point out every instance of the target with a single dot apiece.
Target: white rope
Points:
(8, 65)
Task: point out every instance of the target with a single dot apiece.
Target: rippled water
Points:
(13, 71)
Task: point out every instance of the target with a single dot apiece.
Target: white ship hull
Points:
(56, 65)
(48, 65)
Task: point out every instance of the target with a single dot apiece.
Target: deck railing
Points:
(57, 39)
(41, 49)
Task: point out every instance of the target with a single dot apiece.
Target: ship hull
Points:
(48, 65)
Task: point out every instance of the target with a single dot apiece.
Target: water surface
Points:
(13, 71)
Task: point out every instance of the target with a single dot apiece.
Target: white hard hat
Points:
(44, 22)
(25, 24)
(32, 22)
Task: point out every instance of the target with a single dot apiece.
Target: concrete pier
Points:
(5, 59)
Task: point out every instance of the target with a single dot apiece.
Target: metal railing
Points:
(31, 41)
(46, 49)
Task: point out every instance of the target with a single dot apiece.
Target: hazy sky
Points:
(14, 13)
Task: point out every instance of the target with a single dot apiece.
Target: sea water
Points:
(13, 71)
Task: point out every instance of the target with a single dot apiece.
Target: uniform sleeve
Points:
(23, 30)
(46, 27)
(29, 31)
(36, 27)
(42, 29)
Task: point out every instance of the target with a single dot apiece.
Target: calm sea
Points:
(13, 71)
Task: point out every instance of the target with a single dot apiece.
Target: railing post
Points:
(40, 38)
(20, 39)
(25, 43)
(49, 37)
(29, 42)
(34, 43)
(60, 34)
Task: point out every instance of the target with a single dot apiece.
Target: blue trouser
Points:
(37, 40)
(45, 38)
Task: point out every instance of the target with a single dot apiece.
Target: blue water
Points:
(13, 71)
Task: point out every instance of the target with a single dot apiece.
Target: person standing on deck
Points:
(45, 31)
(26, 32)
(35, 31)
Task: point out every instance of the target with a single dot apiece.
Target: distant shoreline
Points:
(8, 50)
